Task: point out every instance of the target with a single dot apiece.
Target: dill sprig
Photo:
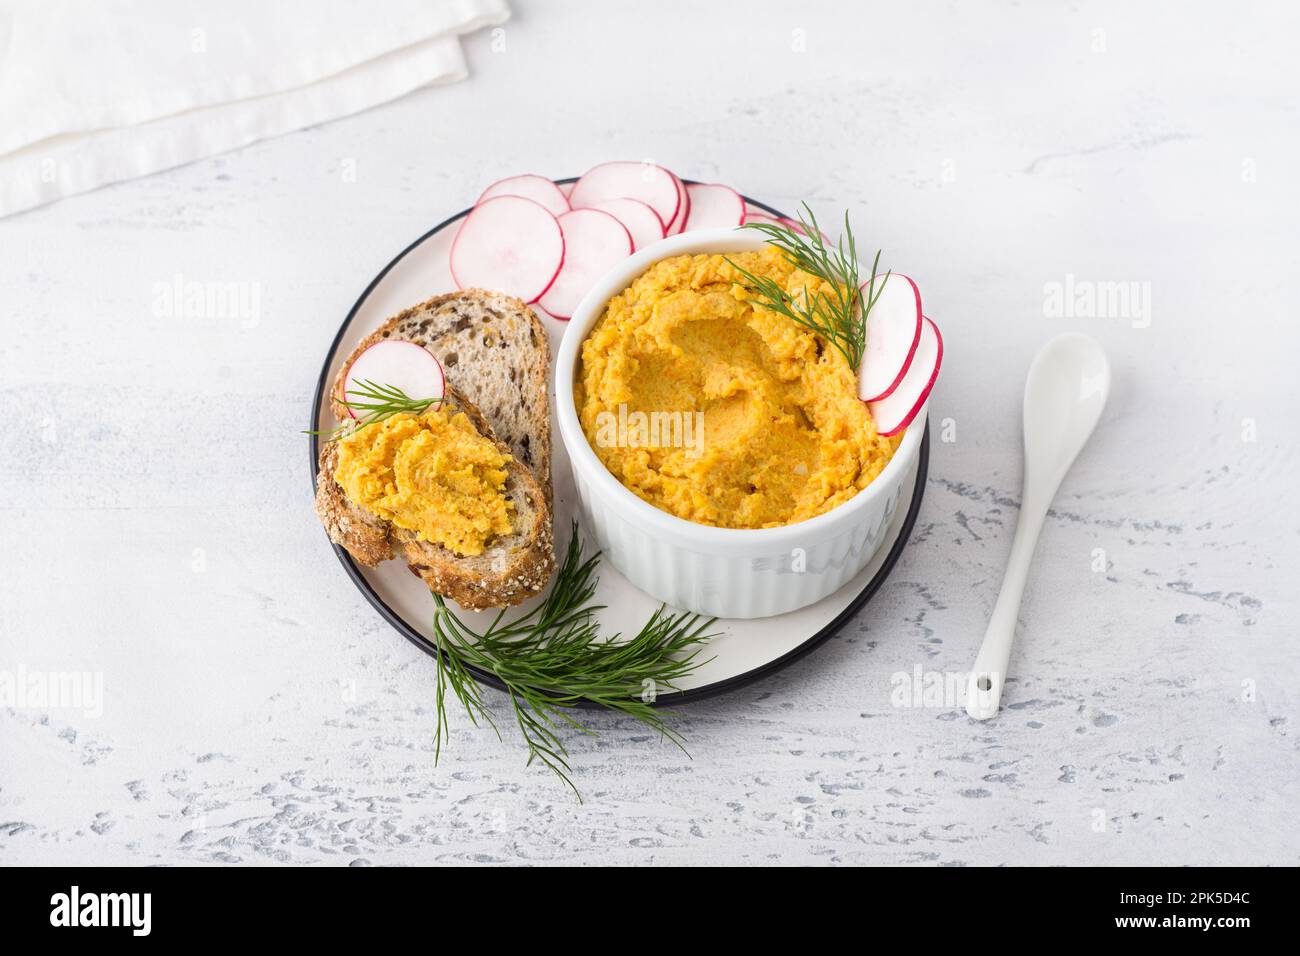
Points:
(376, 402)
(839, 316)
(553, 657)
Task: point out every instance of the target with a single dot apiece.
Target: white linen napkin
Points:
(95, 93)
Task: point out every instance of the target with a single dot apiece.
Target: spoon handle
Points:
(984, 691)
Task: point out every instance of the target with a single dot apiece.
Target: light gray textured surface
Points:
(156, 505)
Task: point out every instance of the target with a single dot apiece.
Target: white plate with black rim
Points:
(741, 651)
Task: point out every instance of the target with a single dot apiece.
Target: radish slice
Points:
(653, 185)
(757, 215)
(537, 188)
(509, 244)
(714, 206)
(404, 365)
(566, 189)
(896, 412)
(594, 242)
(797, 226)
(639, 219)
(683, 209)
(893, 333)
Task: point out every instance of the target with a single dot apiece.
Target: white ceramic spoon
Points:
(1065, 393)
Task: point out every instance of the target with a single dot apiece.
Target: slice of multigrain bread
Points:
(512, 568)
(494, 352)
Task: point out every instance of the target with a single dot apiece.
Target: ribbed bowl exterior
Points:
(760, 584)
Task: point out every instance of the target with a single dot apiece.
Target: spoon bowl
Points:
(1065, 393)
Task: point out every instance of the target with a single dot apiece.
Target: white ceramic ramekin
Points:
(722, 572)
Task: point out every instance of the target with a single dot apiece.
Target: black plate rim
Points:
(664, 700)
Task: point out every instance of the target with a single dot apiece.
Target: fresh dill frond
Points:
(553, 657)
(376, 402)
(838, 316)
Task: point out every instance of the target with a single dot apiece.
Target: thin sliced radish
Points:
(537, 188)
(893, 333)
(896, 412)
(653, 185)
(714, 206)
(797, 226)
(566, 189)
(594, 242)
(401, 364)
(758, 215)
(683, 209)
(639, 219)
(509, 244)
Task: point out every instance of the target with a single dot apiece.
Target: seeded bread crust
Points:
(365, 536)
(495, 353)
(512, 569)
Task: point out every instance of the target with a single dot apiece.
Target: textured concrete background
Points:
(156, 506)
